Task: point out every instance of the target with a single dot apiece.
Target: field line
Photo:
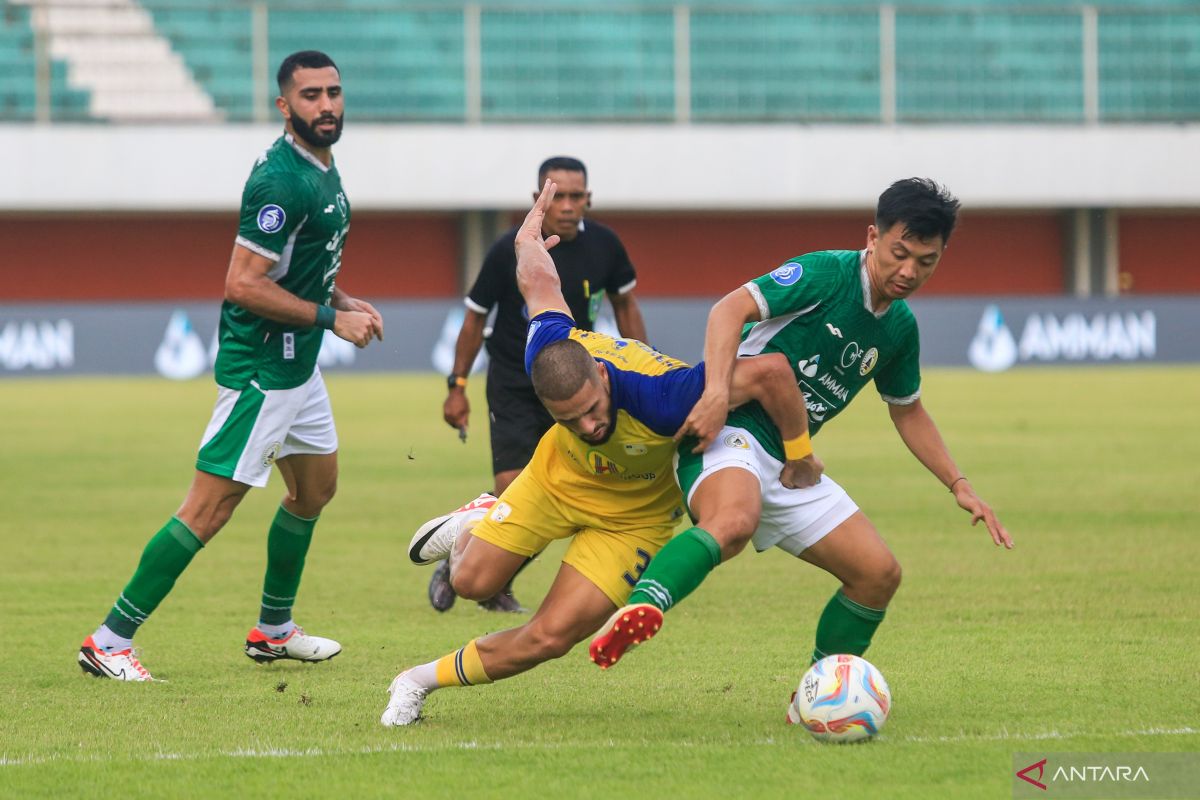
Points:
(405, 747)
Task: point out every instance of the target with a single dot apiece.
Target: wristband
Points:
(325, 317)
(798, 448)
(956, 480)
(456, 382)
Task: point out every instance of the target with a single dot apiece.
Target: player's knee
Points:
(731, 527)
(886, 577)
(472, 584)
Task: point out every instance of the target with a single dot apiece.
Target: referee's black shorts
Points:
(518, 418)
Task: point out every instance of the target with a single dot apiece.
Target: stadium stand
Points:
(954, 60)
(18, 67)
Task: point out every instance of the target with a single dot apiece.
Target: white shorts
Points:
(792, 519)
(252, 427)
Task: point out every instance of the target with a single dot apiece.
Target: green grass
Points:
(1081, 639)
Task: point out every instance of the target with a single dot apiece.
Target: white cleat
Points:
(435, 540)
(407, 700)
(297, 645)
(120, 666)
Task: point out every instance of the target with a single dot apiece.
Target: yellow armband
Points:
(798, 448)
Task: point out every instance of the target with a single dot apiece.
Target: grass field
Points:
(1083, 638)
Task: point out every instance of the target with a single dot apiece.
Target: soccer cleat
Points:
(122, 665)
(296, 645)
(434, 540)
(504, 603)
(630, 626)
(441, 593)
(406, 701)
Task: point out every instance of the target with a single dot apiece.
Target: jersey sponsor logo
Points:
(635, 449)
(868, 362)
(817, 410)
(342, 204)
(271, 218)
(838, 390)
(270, 454)
(601, 464)
(850, 354)
(788, 274)
(835, 331)
(808, 367)
(737, 441)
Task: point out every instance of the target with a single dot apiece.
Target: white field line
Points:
(404, 747)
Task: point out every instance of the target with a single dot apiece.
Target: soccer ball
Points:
(841, 698)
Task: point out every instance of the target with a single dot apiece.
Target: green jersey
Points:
(295, 213)
(816, 310)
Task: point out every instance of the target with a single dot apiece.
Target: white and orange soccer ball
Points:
(841, 698)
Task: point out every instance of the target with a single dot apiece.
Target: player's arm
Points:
(248, 286)
(721, 338)
(457, 408)
(921, 435)
(537, 279)
(628, 315)
(769, 380)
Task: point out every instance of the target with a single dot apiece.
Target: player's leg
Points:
(854, 553)
(481, 569)
(228, 464)
(309, 465)
(723, 490)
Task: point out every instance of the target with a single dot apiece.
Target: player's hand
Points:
(802, 472)
(357, 327)
(354, 304)
(705, 420)
(971, 503)
(529, 236)
(457, 409)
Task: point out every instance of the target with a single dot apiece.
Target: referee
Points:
(591, 263)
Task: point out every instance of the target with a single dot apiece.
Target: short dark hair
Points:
(924, 208)
(560, 369)
(304, 59)
(561, 162)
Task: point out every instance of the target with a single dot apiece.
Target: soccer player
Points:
(591, 263)
(840, 318)
(600, 477)
(272, 407)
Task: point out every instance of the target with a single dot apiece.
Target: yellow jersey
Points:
(629, 478)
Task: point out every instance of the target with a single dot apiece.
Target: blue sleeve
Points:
(546, 327)
(660, 402)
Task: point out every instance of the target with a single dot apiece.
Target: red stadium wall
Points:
(402, 255)
(1155, 254)
(184, 257)
(707, 255)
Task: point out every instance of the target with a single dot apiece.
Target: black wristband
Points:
(326, 316)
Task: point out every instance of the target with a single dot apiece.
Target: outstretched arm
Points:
(769, 380)
(919, 432)
(537, 279)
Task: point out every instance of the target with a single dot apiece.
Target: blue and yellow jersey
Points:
(629, 479)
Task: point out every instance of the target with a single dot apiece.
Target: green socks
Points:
(845, 627)
(287, 545)
(166, 556)
(678, 569)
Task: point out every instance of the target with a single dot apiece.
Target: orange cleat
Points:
(629, 627)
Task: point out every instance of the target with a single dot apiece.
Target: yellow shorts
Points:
(529, 516)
